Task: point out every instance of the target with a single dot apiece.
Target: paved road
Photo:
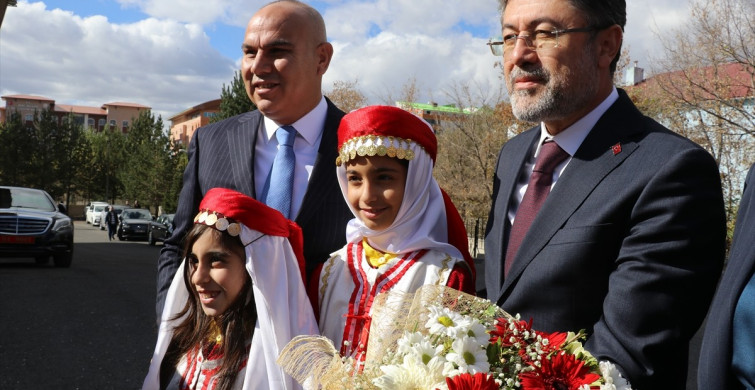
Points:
(91, 326)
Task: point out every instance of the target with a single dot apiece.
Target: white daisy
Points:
(443, 321)
(408, 340)
(469, 356)
(408, 376)
(479, 332)
(425, 351)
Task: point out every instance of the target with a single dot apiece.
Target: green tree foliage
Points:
(67, 161)
(148, 169)
(106, 160)
(72, 152)
(15, 146)
(234, 99)
(179, 160)
(44, 135)
(47, 154)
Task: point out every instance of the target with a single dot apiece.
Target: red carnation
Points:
(478, 381)
(555, 341)
(560, 372)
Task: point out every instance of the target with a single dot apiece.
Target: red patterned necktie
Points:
(537, 190)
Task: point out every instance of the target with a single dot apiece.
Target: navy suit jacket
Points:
(628, 245)
(714, 371)
(222, 155)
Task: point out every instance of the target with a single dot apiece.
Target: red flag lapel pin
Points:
(616, 149)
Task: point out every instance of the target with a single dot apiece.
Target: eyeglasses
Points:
(539, 40)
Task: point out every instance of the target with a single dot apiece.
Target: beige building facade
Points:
(119, 115)
(186, 122)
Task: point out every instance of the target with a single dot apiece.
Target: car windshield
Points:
(25, 198)
(99, 208)
(138, 214)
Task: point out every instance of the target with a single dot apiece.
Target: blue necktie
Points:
(281, 181)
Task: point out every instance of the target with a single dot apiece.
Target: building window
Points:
(101, 122)
(125, 123)
(90, 122)
(29, 117)
(112, 123)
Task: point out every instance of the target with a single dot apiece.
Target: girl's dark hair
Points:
(236, 323)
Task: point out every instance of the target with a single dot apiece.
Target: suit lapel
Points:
(241, 141)
(593, 161)
(323, 184)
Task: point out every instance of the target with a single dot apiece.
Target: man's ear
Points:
(609, 44)
(324, 53)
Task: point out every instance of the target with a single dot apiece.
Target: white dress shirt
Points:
(570, 139)
(309, 130)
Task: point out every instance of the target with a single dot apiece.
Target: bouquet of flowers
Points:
(440, 338)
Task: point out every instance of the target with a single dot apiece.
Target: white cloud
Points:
(385, 43)
(89, 61)
(233, 12)
(167, 60)
(385, 63)
(645, 20)
(354, 20)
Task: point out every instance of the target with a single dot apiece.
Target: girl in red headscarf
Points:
(406, 232)
(235, 302)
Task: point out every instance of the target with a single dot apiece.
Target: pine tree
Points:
(234, 99)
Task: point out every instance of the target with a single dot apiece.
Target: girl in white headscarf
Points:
(406, 233)
(236, 300)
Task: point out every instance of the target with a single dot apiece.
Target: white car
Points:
(94, 211)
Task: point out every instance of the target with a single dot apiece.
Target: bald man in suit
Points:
(285, 56)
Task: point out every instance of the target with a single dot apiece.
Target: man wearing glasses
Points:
(602, 219)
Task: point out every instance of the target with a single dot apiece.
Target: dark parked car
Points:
(160, 229)
(32, 226)
(134, 224)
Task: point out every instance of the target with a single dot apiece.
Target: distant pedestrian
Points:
(136, 204)
(111, 220)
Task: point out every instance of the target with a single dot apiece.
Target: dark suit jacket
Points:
(222, 155)
(714, 371)
(628, 245)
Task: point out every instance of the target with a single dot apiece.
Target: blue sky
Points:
(173, 54)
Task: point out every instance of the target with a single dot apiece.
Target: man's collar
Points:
(309, 126)
(570, 139)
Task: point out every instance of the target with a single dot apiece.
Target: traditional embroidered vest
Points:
(348, 286)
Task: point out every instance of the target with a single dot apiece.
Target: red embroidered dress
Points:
(348, 284)
(197, 370)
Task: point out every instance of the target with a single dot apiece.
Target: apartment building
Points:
(186, 122)
(117, 114)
